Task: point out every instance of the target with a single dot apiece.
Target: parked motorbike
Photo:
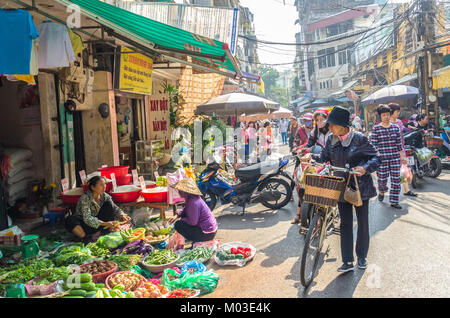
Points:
(259, 183)
(421, 160)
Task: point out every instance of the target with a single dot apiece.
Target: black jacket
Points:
(356, 150)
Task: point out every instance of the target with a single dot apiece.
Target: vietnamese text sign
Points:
(135, 72)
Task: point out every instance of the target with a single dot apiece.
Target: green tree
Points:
(269, 76)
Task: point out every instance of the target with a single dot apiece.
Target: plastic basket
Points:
(323, 190)
(101, 278)
(434, 142)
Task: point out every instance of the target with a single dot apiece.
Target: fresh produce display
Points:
(124, 261)
(116, 292)
(136, 247)
(50, 275)
(227, 255)
(158, 226)
(149, 290)
(155, 239)
(97, 250)
(24, 271)
(110, 241)
(74, 254)
(197, 254)
(244, 251)
(181, 293)
(160, 257)
(132, 235)
(129, 280)
(161, 181)
(98, 267)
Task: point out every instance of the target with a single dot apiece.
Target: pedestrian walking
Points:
(395, 112)
(347, 146)
(315, 143)
(321, 131)
(387, 139)
(283, 130)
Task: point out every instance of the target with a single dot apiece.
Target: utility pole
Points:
(427, 58)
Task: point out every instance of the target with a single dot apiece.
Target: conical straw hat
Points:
(188, 185)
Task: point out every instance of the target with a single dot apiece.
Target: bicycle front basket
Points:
(323, 190)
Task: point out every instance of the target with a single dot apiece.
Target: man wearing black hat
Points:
(347, 146)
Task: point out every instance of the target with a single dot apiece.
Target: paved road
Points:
(409, 252)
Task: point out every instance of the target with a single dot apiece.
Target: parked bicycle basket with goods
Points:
(322, 191)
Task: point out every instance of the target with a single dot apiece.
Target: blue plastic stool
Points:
(53, 217)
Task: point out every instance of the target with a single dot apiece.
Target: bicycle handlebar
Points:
(333, 168)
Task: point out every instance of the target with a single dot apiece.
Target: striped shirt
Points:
(388, 141)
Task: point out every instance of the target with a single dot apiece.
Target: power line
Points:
(318, 42)
(324, 55)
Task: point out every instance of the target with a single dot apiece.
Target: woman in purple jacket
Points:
(196, 222)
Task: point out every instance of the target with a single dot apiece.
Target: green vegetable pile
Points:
(161, 257)
(53, 274)
(125, 261)
(24, 271)
(200, 253)
(97, 250)
(75, 254)
(226, 255)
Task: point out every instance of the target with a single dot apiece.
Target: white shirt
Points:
(55, 48)
(284, 126)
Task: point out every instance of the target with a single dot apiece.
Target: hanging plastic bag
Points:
(424, 154)
(405, 174)
(172, 179)
(307, 170)
(192, 267)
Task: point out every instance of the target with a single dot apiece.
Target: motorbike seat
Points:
(254, 171)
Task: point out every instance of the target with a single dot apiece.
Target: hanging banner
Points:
(159, 115)
(134, 72)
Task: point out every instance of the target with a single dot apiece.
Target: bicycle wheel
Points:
(311, 251)
(305, 217)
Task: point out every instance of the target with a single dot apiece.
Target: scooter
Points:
(431, 167)
(259, 183)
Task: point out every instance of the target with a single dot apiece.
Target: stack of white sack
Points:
(20, 173)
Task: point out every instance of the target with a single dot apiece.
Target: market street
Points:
(407, 254)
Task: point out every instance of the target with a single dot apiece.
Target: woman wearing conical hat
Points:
(194, 222)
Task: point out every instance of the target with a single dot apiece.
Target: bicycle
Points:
(322, 192)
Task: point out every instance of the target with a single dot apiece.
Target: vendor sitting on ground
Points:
(197, 223)
(95, 211)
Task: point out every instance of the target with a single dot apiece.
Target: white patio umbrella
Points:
(391, 93)
(236, 104)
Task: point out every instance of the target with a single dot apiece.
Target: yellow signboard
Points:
(135, 72)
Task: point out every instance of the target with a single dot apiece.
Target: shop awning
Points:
(158, 36)
(441, 78)
(405, 79)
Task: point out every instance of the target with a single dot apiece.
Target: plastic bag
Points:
(176, 242)
(172, 179)
(205, 281)
(306, 171)
(424, 154)
(405, 174)
(237, 262)
(170, 278)
(110, 241)
(214, 244)
(192, 267)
